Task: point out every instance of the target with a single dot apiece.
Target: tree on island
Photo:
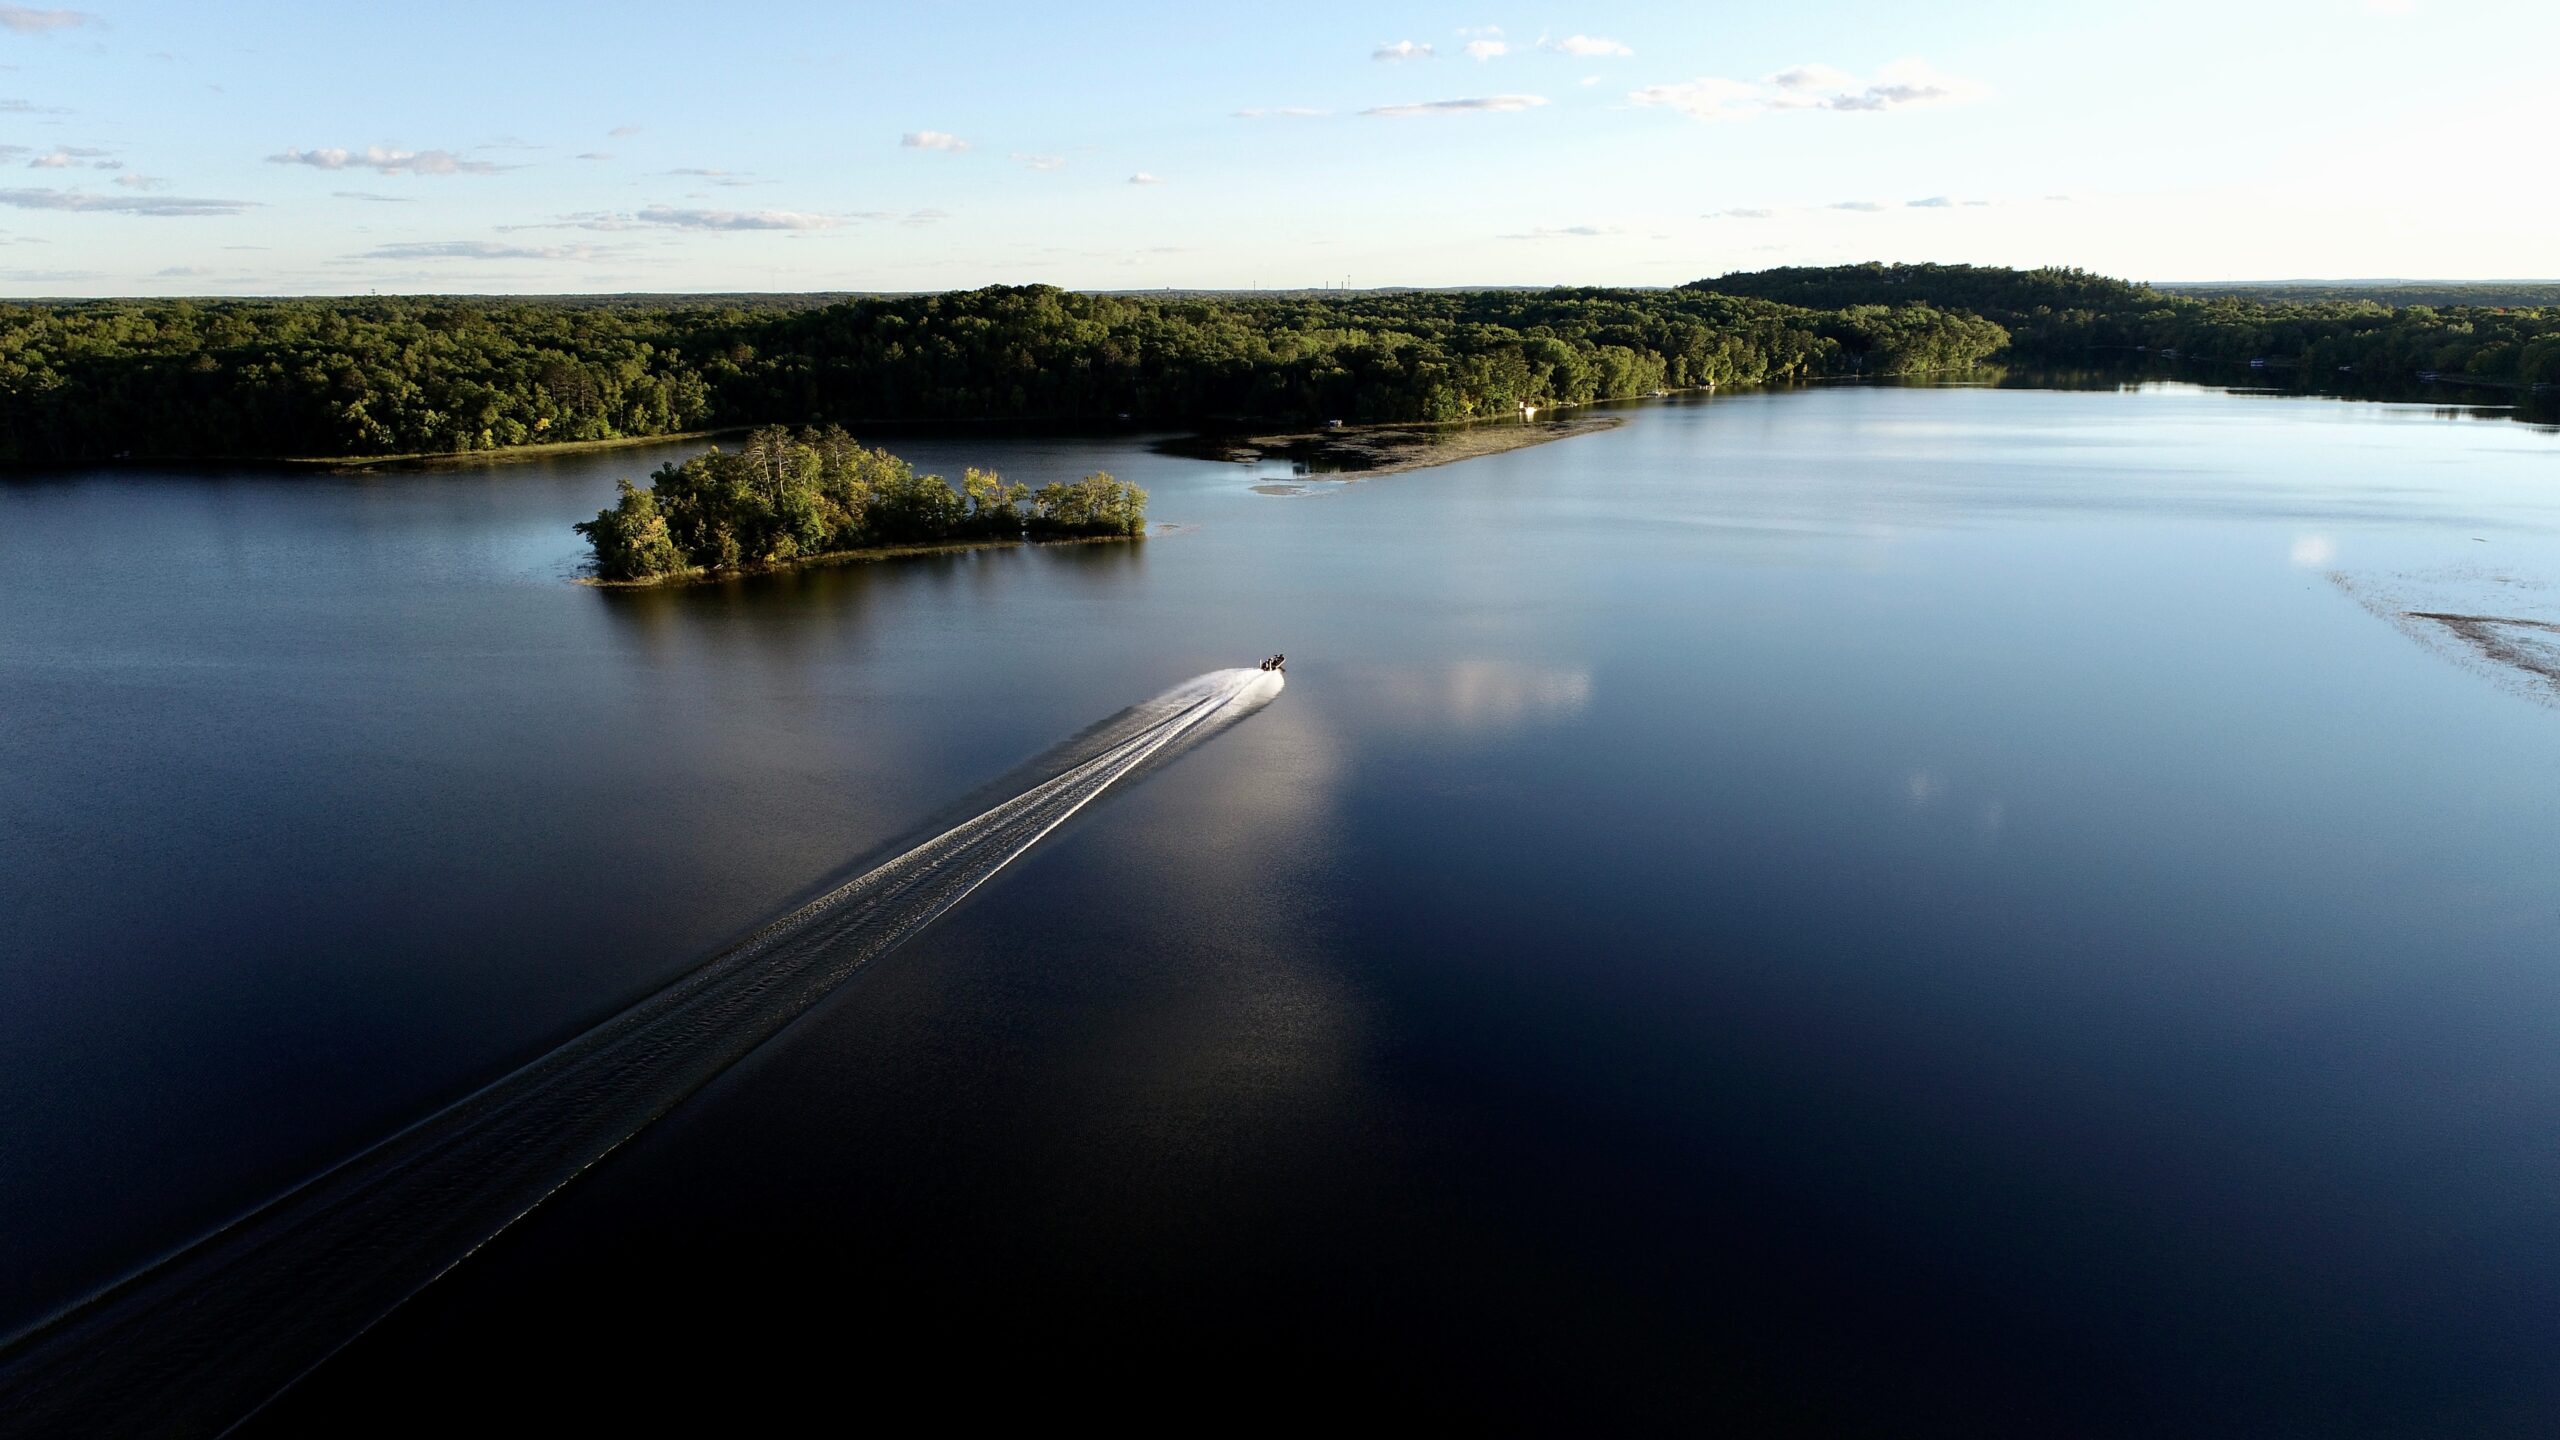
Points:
(784, 498)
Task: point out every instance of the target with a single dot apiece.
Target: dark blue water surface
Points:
(1883, 911)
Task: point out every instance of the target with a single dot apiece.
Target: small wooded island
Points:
(784, 499)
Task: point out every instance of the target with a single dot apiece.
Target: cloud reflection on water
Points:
(1480, 696)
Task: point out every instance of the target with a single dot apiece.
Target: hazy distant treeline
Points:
(2069, 314)
(378, 376)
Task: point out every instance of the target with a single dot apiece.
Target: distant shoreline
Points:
(429, 459)
(1395, 449)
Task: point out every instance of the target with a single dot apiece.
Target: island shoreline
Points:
(699, 575)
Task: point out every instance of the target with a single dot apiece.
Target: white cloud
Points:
(1401, 50)
(684, 219)
(372, 196)
(1040, 162)
(388, 161)
(1863, 207)
(1743, 213)
(29, 107)
(1460, 107)
(1588, 47)
(159, 205)
(37, 22)
(1802, 79)
(142, 182)
(1902, 85)
(716, 177)
(66, 157)
(622, 132)
(183, 272)
(1702, 99)
(478, 250)
(595, 154)
(1143, 178)
(933, 140)
(1486, 49)
(1279, 112)
(1568, 232)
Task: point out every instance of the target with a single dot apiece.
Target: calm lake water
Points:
(1898, 911)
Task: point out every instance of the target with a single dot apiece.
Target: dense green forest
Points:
(383, 376)
(400, 375)
(783, 498)
(2068, 314)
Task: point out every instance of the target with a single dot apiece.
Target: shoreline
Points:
(1358, 453)
(831, 558)
(430, 459)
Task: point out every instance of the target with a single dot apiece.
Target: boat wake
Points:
(203, 1337)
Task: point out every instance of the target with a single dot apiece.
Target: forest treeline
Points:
(2065, 315)
(782, 498)
(398, 375)
(393, 375)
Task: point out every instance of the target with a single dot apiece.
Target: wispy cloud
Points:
(68, 157)
(1569, 232)
(1902, 85)
(161, 205)
(479, 250)
(1039, 162)
(595, 154)
(142, 182)
(183, 272)
(29, 107)
(1279, 112)
(375, 197)
(716, 177)
(1143, 178)
(932, 140)
(1741, 213)
(622, 132)
(1706, 98)
(1461, 107)
(388, 161)
(27, 21)
(677, 217)
(1587, 47)
(1486, 49)
(1401, 50)
(1863, 207)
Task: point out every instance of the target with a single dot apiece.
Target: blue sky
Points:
(157, 148)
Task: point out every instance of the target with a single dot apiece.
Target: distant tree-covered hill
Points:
(384, 376)
(2067, 314)
(380, 376)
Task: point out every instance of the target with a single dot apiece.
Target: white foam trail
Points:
(201, 1338)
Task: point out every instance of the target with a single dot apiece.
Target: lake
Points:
(1896, 910)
